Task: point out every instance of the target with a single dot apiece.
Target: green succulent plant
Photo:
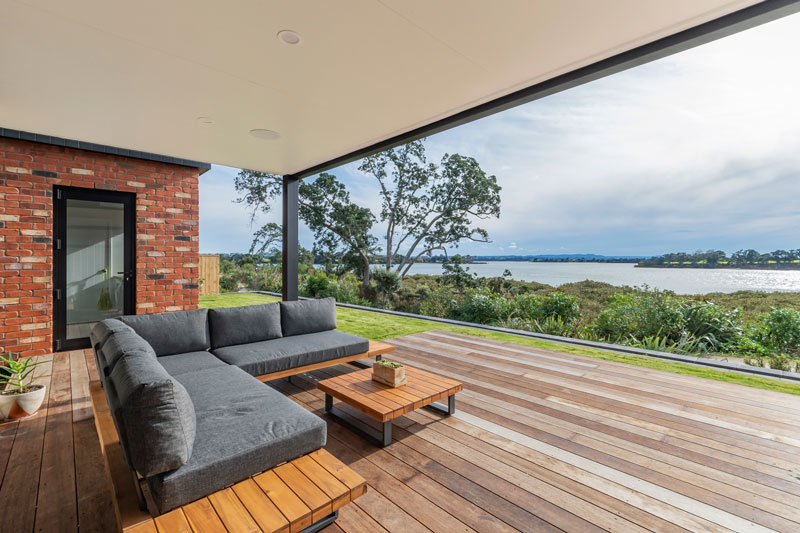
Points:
(20, 374)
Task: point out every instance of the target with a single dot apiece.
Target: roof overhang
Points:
(192, 78)
(100, 148)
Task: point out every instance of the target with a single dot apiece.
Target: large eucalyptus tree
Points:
(429, 207)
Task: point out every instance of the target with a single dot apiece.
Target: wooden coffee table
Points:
(384, 403)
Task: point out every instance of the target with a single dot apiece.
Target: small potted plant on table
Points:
(19, 396)
(389, 373)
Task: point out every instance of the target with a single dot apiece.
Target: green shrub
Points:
(748, 345)
(540, 308)
(775, 362)
(684, 345)
(715, 328)
(554, 325)
(317, 285)
(439, 303)
(267, 278)
(515, 322)
(387, 282)
(527, 307)
(641, 314)
(780, 330)
(346, 290)
(780, 362)
(481, 306)
(550, 325)
(407, 301)
(227, 283)
(560, 305)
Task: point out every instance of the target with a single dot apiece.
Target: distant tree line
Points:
(573, 258)
(586, 260)
(783, 259)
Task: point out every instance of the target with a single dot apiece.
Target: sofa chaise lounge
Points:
(185, 395)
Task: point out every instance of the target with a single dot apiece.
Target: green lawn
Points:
(379, 326)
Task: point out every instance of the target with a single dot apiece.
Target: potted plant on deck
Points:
(389, 373)
(20, 397)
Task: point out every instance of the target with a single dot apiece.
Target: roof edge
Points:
(101, 148)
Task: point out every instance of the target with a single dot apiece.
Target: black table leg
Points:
(449, 410)
(362, 364)
(387, 433)
(383, 437)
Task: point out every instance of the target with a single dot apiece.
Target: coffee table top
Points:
(383, 402)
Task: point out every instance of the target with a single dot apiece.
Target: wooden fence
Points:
(209, 274)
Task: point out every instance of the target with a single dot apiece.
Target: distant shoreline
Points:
(790, 266)
(480, 260)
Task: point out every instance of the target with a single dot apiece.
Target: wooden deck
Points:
(541, 441)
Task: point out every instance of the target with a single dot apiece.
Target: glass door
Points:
(93, 270)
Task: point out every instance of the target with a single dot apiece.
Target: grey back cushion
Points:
(171, 333)
(104, 329)
(118, 345)
(243, 325)
(308, 316)
(156, 414)
(101, 332)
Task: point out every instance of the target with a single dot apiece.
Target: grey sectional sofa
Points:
(191, 416)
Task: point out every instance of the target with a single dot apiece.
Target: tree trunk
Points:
(365, 281)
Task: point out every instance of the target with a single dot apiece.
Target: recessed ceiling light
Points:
(267, 135)
(205, 120)
(289, 36)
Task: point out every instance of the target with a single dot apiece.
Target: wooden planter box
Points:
(394, 377)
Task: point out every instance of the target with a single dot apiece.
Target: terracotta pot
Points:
(394, 377)
(13, 405)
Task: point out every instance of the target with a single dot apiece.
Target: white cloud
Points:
(704, 140)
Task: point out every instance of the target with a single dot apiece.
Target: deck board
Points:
(541, 441)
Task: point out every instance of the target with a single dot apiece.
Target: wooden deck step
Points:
(288, 498)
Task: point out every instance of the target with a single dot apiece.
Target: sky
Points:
(696, 151)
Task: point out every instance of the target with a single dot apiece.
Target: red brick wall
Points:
(166, 233)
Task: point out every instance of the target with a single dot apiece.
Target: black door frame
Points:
(60, 196)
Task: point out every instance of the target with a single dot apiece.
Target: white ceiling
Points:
(138, 74)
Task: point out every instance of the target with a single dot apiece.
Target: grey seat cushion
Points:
(171, 333)
(241, 325)
(181, 363)
(264, 357)
(155, 416)
(243, 427)
(308, 316)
